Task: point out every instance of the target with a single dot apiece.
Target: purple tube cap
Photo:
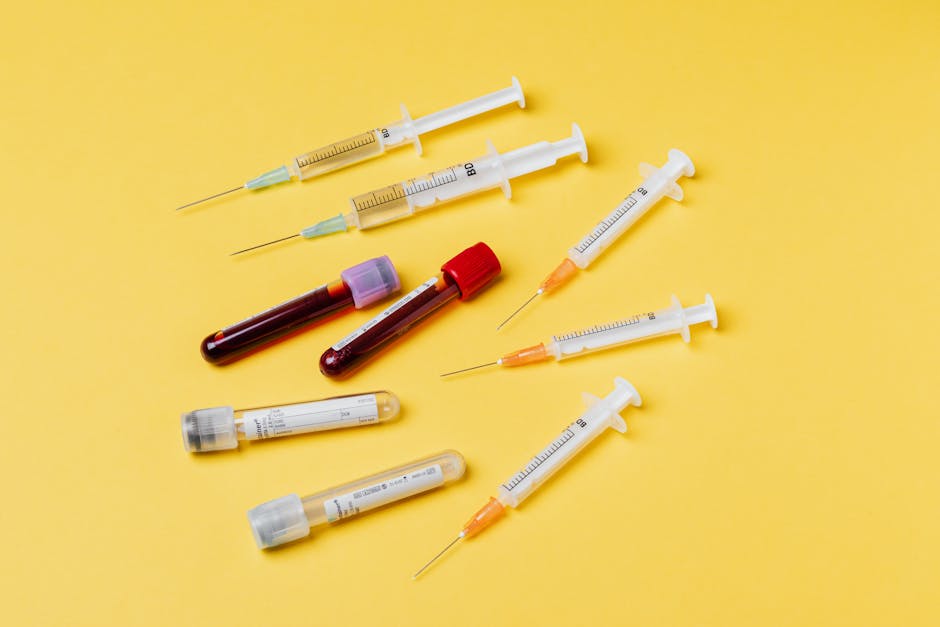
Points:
(371, 280)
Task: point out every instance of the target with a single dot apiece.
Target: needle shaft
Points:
(275, 241)
(433, 559)
(492, 363)
(196, 202)
(513, 314)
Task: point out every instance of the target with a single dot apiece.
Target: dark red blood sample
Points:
(240, 338)
(334, 363)
(461, 277)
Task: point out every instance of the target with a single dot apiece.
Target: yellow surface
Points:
(783, 469)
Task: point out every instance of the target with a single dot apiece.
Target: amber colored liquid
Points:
(382, 205)
(338, 155)
(336, 363)
(242, 337)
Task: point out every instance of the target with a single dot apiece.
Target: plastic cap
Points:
(278, 175)
(279, 521)
(473, 269)
(211, 429)
(336, 224)
(371, 281)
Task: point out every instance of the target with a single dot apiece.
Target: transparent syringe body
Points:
(353, 149)
(601, 414)
(291, 517)
(406, 198)
(221, 428)
(338, 155)
(461, 277)
(640, 326)
(375, 142)
(349, 499)
(658, 182)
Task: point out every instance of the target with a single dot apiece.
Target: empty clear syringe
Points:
(404, 199)
(657, 182)
(291, 517)
(640, 326)
(375, 142)
(601, 414)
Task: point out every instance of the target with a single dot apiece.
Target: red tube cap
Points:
(473, 269)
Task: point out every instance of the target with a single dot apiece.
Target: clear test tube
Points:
(359, 286)
(221, 428)
(461, 277)
(291, 517)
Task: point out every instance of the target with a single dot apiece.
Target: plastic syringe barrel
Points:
(674, 320)
(601, 414)
(543, 154)
(404, 199)
(471, 108)
(657, 182)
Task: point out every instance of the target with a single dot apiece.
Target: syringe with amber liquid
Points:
(404, 199)
(375, 142)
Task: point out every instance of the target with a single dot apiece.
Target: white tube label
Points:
(332, 413)
(407, 298)
(370, 497)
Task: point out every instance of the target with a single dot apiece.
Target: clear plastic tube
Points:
(461, 277)
(359, 286)
(236, 340)
(221, 428)
(347, 354)
(292, 517)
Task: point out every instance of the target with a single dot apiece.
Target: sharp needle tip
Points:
(513, 314)
(492, 363)
(274, 241)
(434, 559)
(196, 202)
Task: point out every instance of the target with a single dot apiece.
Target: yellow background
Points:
(783, 469)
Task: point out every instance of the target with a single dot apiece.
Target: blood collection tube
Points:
(461, 277)
(358, 286)
(291, 517)
(221, 428)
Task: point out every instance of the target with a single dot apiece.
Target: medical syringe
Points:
(404, 199)
(601, 413)
(657, 182)
(375, 142)
(675, 319)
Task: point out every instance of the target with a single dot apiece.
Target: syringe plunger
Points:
(471, 108)
(678, 165)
